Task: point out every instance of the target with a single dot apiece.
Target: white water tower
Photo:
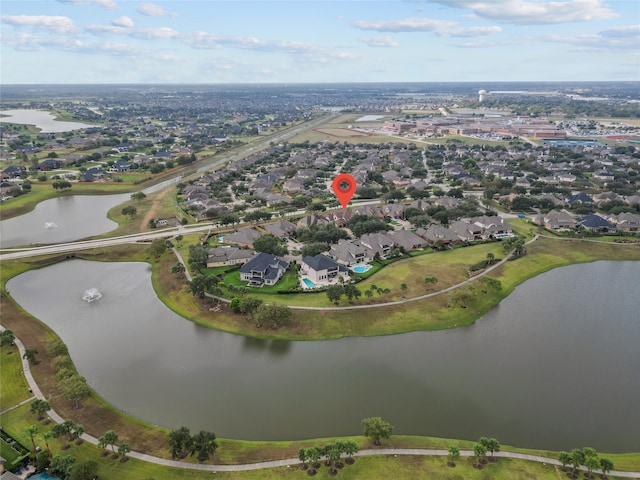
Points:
(481, 95)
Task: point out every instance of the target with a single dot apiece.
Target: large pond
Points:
(42, 119)
(66, 219)
(554, 366)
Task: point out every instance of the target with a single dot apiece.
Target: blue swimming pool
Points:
(361, 268)
(309, 283)
(43, 476)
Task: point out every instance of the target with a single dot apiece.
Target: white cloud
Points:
(408, 25)
(529, 12)
(152, 10)
(379, 41)
(442, 28)
(52, 23)
(621, 32)
(596, 41)
(161, 33)
(123, 21)
(108, 4)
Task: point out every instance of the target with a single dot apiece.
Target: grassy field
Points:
(13, 386)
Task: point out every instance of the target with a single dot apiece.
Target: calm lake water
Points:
(61, 219)
(66, 219)
(41, 119)
(554, 366)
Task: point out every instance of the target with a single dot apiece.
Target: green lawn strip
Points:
(8, 453)
(13, 386)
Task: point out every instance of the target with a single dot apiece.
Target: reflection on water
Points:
(529, 373)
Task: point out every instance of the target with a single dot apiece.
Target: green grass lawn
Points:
(13, 386)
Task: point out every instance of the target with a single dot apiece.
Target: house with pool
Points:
(320, 271)
(349, 254)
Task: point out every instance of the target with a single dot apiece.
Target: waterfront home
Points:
(263, 269)
(224, 256)
(348, 253)
(322, 270)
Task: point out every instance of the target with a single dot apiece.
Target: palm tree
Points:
(565, 459)
(30, 355)
(606, 466)
(123, 449)
(40, 407)
(403, 287)
(31, 430)
(303, 457)
(111, 438)
(350, 447)
(577, 458)
(454, 454)
(103, 443)
(48, 436)
(591, 462)
(479, 451)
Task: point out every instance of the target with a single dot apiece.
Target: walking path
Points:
(275, 463)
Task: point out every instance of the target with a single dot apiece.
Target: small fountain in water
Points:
(50, 225)
(91, 295)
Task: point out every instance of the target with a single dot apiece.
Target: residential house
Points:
(15, 171)
(321, 269)
(243, 237)
(311, 220)
(348, 253)
(407, 240)
(556, 220)
(224, 256)
(437, 233)
(596, 223)
(263, 269)
(281, 229)
(626, 221)
(377, 243)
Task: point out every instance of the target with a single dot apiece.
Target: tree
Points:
(179, 442)
(42, 460)
(577, 459)
(103, 443)
(350, 448)
(138, 196)
(158, 247)
(492, 445)
(204, 445)
(201, 284)
(565, 459)
(30, 355)
(123, 450)
(7, 337)
(48, 436)
(302, 456)
(84, 471)
(334, 292)
(178, 269)
(40, 407)
(377, 429)
(403, 287)
(430, 280)
(368, 294)
(479, 451)
(273, 314)
(60, 430)
(111, 438)
(351, 292)
(75, 388)
(130, 211)
(32, 430)
(62, 466)
(198, 256)
(491, 258)
(591, 462)
(606, 466)
(454, 454)
(269, 244)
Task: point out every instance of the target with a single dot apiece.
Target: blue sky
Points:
(307, 41)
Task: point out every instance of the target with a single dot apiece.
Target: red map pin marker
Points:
(344, 186)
